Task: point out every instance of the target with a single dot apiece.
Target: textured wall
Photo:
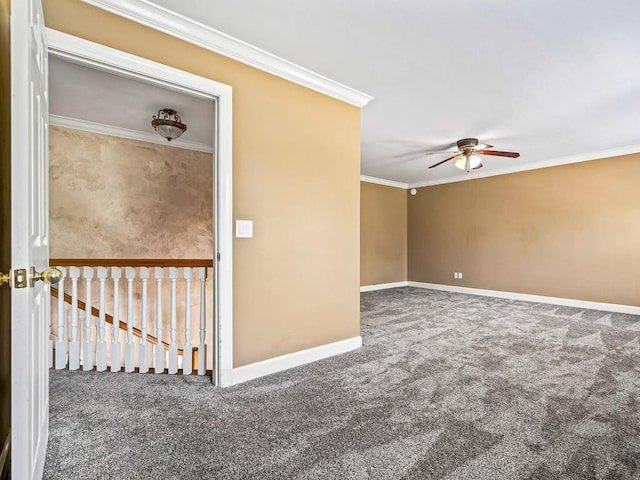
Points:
(383, 234)
(296, 168)
(118, 198)
(570, 231)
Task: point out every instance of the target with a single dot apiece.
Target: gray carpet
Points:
(446, 386)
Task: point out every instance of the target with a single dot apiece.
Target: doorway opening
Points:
(75, 53)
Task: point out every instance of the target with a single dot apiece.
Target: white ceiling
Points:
(106, 100)
(557, 81)
(553, 80)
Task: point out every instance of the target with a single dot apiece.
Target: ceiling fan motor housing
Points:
(467, 143)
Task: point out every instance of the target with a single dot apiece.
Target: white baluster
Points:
(87, 346)
(50, 342)
(101, 347)
(61, 343)
(116, 362)
(74, 345)
(81, 317)
(173, 346)
(129, 350)
(144, 346)
(159, 356)
(202, 349)
(187, 364)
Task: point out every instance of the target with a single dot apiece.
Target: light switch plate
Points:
(244, 228)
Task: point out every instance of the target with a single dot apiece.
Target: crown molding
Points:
(584, 157)
(382, 181)
(102, 129)
(166, 21)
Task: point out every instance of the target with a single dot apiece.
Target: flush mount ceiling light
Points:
(167, 123)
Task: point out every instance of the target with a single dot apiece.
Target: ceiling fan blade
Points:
(498, 153)
(445, 160)
(441, 152)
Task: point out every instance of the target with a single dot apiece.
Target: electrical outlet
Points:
(459, 274)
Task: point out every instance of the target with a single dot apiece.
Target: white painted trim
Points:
(166, 21)
(100, 57)
(121, 63)
(583, 157)
(383, 286)
(567, 302)
(296, 359)
(223, 230)
(103, 129)
(382, 181)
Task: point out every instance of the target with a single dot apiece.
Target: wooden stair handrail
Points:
(109, 319)
(130, 262)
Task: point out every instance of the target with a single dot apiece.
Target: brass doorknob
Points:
(49, 275)
(5, 278)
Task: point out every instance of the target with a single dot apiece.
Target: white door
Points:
(30, 306)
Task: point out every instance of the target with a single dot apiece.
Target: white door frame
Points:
(98, 56)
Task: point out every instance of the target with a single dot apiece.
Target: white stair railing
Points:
(101, 347)
(202, 347)
(61, 343)
(77, 323)
(74, 344)
(87, 345)
(159, 351)
(143, 364)
(116, 360)
(129, 351)
(187, 364)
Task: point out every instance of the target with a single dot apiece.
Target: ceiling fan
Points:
(468, 155)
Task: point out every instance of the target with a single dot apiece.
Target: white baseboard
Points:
(567, 302)
(296, 359)
(383, 286)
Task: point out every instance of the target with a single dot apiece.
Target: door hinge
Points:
(218, 256)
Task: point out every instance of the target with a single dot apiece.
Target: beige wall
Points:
(118, 198)
(383, 234)
(570, 231)
(296, 175)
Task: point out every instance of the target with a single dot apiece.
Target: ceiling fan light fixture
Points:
(168, 124)
(468, 156)
(474, 161)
